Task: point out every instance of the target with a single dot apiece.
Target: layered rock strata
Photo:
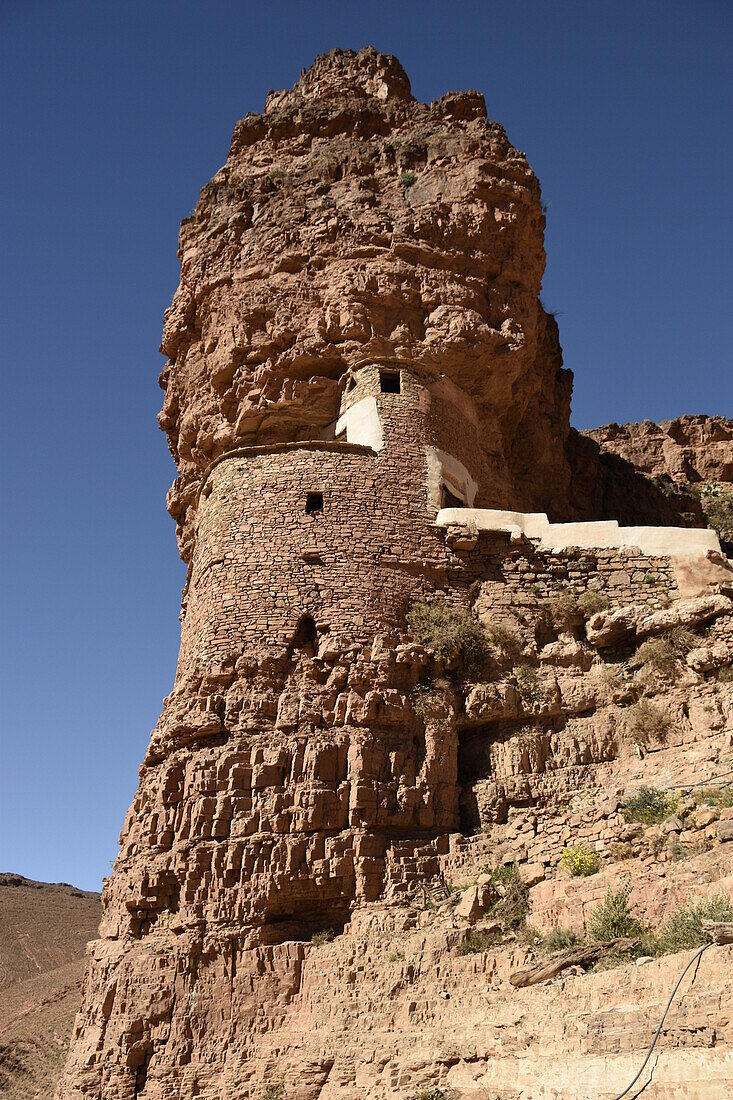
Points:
(688, 449)
(357, 344)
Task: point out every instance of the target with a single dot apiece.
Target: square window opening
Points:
(389, 381)
(313, 503)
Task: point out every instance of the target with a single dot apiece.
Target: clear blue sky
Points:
(113, 116)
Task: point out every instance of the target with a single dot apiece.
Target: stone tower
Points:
(356, 346)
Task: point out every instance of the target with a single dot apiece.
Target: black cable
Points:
(695, 958)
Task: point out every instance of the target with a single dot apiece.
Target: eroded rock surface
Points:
(351, 221)
(688, 449)
(373, 714)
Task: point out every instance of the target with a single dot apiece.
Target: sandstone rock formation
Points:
(688, 449)
(373, 706)
(351, 221)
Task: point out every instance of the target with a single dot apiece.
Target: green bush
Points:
(716, 502)
(717, 797)
(684, 930)
(527, 680)
(318, 939)
(580, 860)
(560, 939)
(450, 632)
(433, 1094)
(614, 917)
(725, 675)
(645, 722)
(274, 1092)
(650, 806)
(407, 179)
(591, 602)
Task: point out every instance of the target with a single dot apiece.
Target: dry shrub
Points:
(614, 917)
(591, 602)
(647, 722)
(450, 632)
(650, 806)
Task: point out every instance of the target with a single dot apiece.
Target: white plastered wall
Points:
(444, 469)
(605, 534)
(361, 424)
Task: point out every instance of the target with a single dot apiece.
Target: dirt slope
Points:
(44, 929)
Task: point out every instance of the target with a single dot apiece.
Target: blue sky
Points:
(113, 117)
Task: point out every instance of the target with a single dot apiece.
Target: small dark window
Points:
(313, 503)
(389, 381)
(306, 635)
(450, 500)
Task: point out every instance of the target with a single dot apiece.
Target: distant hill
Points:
(44, 930)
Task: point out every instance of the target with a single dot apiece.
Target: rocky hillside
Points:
(44, 930)
(688, 449)
(689, 458)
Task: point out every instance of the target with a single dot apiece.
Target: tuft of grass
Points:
(684, 930)
(560, 939)
(274, 1092)
(277, 173)
(683, 639)
(318, 939)
(581, 861)
(407, 179)
(621, 850)
(650, 806)
(717, 797)
(512, 904)
(433, 1094)
(725, 675)
(614, 917)
(564, 610)
(659, 654)
(591, 602)
(503, 637)
(450, 632)
(560, 612)
(476, 942)
(396, 956)
(646, 722)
